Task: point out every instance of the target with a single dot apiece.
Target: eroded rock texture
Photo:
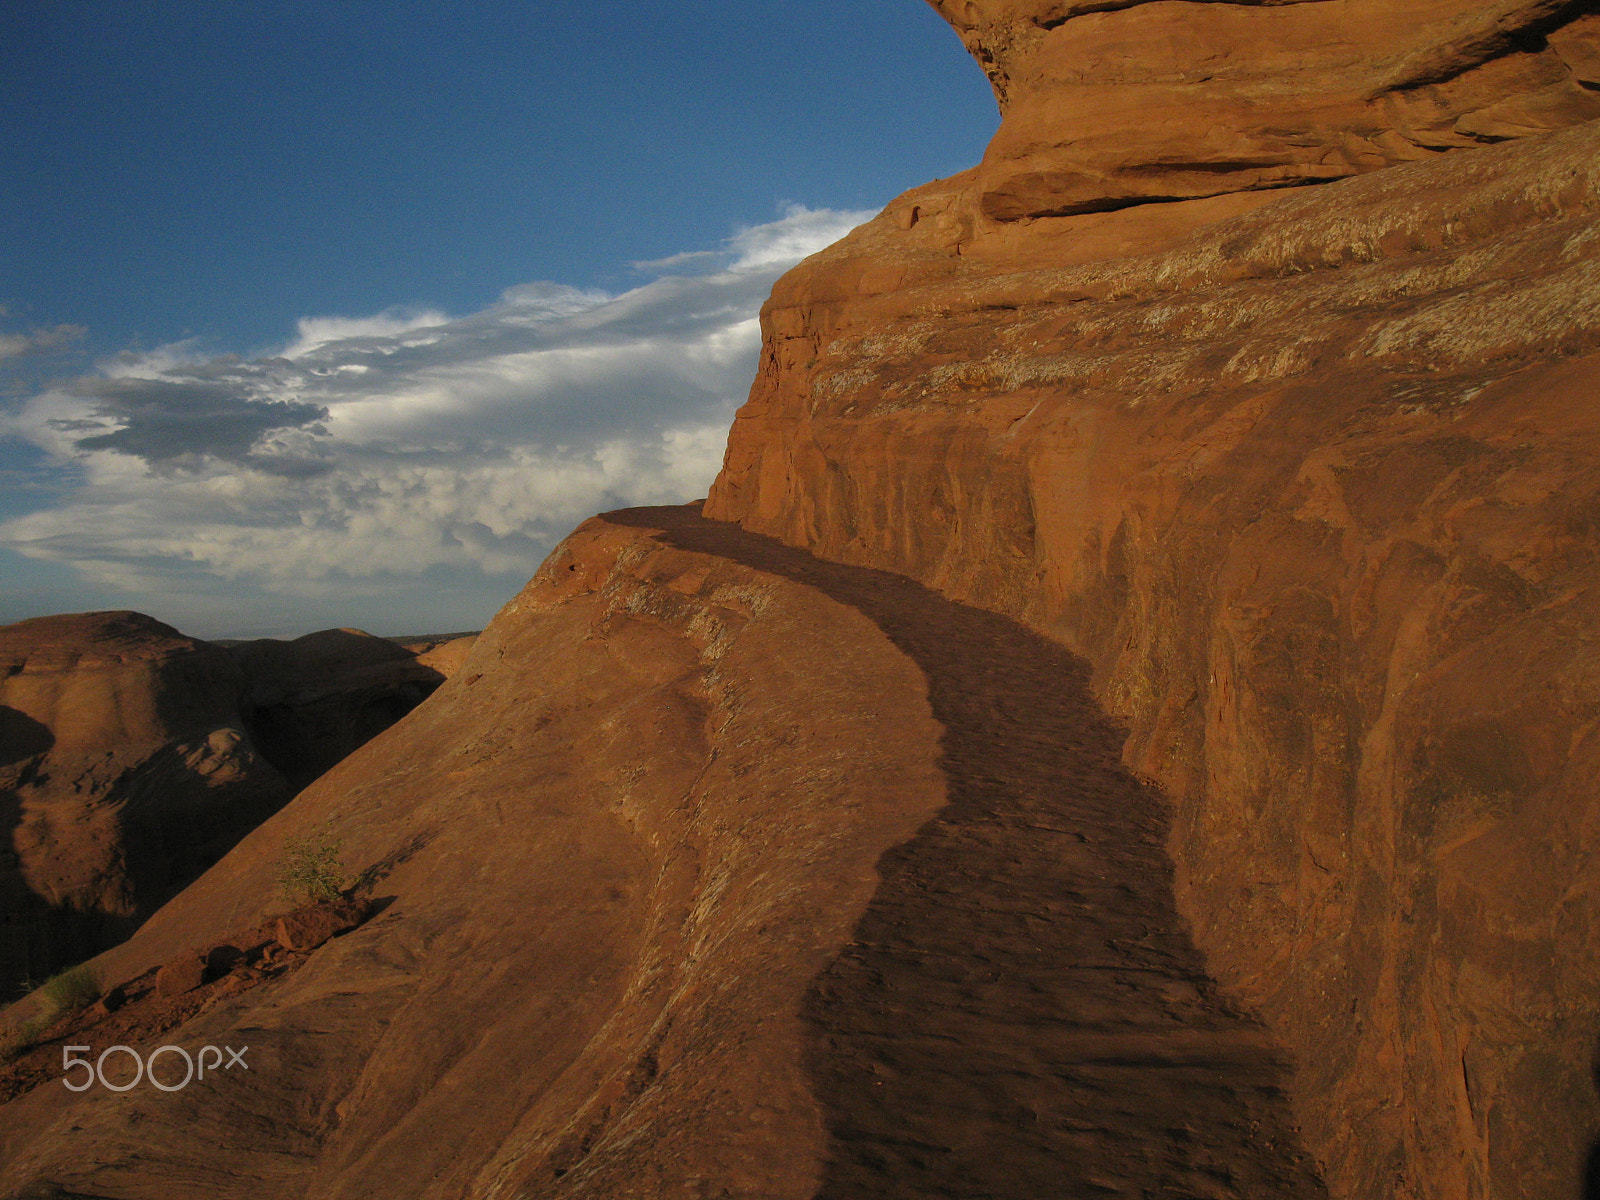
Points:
(721, 869)
(718, 870)
(132, 758)
(1116, 102)
(1308, 476)
(617, 847)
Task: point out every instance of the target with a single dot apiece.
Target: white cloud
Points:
(14, 345)
(378, 448)
(315, 332)
(800, 232)
(674, 262)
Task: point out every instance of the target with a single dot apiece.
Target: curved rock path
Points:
(1021, 1013)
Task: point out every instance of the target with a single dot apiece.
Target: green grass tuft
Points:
(311, 869)
(76, 987)
(71, 990)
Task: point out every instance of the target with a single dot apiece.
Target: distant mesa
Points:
(133, 757)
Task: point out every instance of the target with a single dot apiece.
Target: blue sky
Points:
(343, 313)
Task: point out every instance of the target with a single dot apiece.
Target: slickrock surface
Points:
(1020, 1011)
(1308, 476)
(724, 871)
(1255, 364)
(445, 656)
(143, 1010)
(132, 757)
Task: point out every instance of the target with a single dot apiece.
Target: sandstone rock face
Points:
(132, 757)
(619, 845)
(721, 870)
(1115, 102)
(718, 869)
(1306, 475)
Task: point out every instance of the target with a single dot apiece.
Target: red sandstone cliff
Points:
(723, 869)
(1307, 476)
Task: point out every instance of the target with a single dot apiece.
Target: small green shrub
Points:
(311, 868)
(75, 988)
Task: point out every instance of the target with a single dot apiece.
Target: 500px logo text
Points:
(195, 1067)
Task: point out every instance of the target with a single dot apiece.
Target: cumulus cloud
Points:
(386, 446)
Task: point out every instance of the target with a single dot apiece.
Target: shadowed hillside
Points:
(133, 757)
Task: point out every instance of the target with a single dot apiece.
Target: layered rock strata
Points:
(1307, 476)
(1110, 103)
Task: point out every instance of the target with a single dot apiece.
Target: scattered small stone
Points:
(308, 928)
(182, 974)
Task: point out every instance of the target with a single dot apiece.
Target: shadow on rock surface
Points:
(317, 699)
(21, 737)
(1590, 1189)
(37, 937)
(1021, 1009)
